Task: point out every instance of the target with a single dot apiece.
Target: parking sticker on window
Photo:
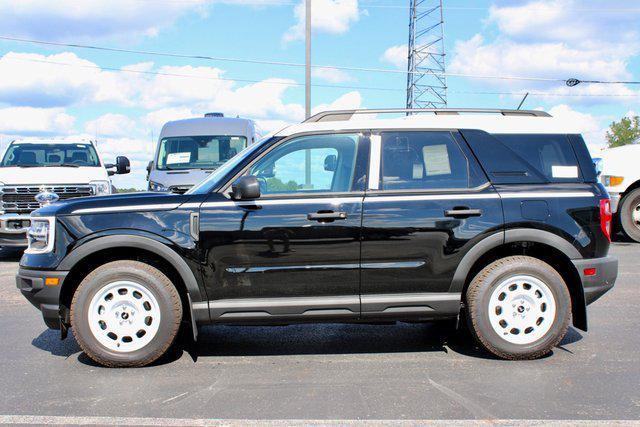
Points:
(436, 160)
(564, 171)
(174, 158)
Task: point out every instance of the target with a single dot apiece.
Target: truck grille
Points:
(21, 199)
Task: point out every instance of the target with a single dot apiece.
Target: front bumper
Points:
(596, 285)
(13, 229)
(45, 298)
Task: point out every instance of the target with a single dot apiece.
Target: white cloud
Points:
(350, 100)
(88, 19)
(111, 125)
(332, 75)
(574, 22)
(545, 60)
(28, 121)
(555, 39)
(396, 55)
(328, 16)
(36, 80)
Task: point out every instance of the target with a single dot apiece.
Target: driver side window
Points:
(309, 164)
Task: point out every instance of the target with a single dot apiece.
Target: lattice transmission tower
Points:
(426, 82)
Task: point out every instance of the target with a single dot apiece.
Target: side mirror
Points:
(246, 188)
(123, 166)
(331, 163)
(149, 168)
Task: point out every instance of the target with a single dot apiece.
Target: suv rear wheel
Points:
(125, 313)
(519, 307)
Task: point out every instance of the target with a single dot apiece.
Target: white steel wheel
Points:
(522, 309)
(124, 316)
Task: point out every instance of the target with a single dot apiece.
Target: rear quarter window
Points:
(550, 155)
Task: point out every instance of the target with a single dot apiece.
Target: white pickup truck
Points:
(620, 174)
(37, 172)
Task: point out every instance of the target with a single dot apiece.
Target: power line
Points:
(294, 64)
(298, 84)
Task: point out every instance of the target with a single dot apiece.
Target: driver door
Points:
(295, 251)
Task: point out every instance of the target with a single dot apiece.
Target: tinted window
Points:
(31, 155)
(204, 152)
(550, 155)
(422, 161)
(318, 163)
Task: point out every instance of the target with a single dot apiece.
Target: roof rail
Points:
(343, 115)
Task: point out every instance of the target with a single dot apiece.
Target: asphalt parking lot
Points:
(328, 372)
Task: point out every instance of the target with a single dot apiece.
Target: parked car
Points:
(494, 217)
(37, 172)
(189, 150)
(621, 177)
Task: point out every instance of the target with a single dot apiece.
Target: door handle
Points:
(462, 213)
(326, 216)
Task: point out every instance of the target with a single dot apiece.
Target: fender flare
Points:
(139, 242)
(503, 237)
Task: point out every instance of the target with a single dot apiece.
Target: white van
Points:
(189, 150)
(37, 172)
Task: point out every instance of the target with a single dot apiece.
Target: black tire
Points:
(630, 203)
(478, 297)
(153, 281)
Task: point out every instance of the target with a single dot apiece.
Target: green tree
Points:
(275, 184)
(626, 131)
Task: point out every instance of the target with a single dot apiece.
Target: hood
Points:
(116, 203)
(52, 175)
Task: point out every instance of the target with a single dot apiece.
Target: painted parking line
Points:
(139, 421)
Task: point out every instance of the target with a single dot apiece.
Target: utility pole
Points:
(307, 89)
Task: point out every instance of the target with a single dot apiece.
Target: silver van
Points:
(189, 150)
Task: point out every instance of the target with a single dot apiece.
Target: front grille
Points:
(179, 189)
(21, 199)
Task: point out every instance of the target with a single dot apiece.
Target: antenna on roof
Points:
(522, 102)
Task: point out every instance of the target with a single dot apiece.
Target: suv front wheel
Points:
(125, 314)
(519, 307)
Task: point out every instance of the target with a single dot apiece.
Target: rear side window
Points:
(550, 155)
(422, 161)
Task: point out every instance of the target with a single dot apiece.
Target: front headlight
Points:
(40, 235)
(1, 192)
(612, 180)
(101, 187)
(156, 186)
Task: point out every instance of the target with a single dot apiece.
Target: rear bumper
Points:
(13, 229)
(596, 285)
(45, 298)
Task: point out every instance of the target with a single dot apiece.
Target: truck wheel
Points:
(629, 212)
(125, 314)
(518, 308)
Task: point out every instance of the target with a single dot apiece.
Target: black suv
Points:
(491, 216)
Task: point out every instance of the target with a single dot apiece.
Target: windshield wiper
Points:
(62, 165)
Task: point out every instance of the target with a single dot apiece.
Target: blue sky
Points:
(592, 39)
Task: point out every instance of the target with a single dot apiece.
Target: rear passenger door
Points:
(427, 204)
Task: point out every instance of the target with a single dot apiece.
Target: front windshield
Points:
(198, 152)
(36, 155)
(213, 179)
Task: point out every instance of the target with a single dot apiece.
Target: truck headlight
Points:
(101, 187)
(40, 235)
(612, 180)
(156, 186)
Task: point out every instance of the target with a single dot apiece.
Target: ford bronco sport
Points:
(494, 217)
